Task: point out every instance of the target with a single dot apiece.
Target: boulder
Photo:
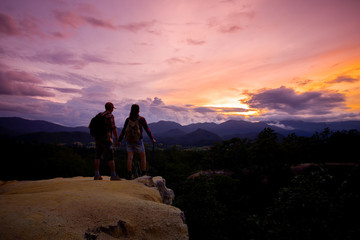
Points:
(167, 195)
(81, 208)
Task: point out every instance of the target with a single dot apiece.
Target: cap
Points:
(109, 106)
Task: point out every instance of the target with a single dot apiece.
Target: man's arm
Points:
(115, 133)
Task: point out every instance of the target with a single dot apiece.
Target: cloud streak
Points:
(191, 41)
(344, 79)
(77, 61)
(286, 100)
(74, 20)
(21, 84)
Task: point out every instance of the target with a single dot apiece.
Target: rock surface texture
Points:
(81, 208)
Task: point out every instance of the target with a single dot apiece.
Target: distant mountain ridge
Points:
(168, 132)
(20, 126)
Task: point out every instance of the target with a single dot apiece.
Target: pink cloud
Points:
(30, 27)
(67, 90)
(21, 84)
(25, 27)
(68, 18)
(20, 77)
(59, 35)
(60, 57)
(75, 60)
(175, 60)
(229, 28)
(99, 23)
(180, 60)
(8, 25)
(138, 26)
(231, 23)
(191, 41)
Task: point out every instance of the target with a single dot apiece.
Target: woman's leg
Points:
(143, 162)
(130, 156)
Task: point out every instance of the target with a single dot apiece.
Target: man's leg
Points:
(114, 176)
(96, 169)
(109, 153)
(97, 165)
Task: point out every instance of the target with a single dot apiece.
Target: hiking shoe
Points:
(98, 178)
(116, 178)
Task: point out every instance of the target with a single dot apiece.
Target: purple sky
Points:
(184, 61)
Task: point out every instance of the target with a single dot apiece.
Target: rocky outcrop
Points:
(167, 195)
(81, 208)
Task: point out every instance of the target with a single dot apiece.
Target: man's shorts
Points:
(135, 147)
(104, 150)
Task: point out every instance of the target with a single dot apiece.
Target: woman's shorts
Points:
(135, 147)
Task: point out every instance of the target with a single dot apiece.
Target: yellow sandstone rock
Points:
(81, 208)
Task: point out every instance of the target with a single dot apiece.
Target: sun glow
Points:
(234, 108)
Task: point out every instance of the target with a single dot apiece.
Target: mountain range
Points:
(167, 132)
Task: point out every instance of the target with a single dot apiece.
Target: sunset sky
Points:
(187, 61)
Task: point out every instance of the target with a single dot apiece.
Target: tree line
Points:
(261, 198)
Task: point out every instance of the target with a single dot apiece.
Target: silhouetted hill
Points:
(19, 126)
(168, 132)
(201, 137)
(174, 133)
(67, 138)
(206, 126)
(164, 126)
(241, 128)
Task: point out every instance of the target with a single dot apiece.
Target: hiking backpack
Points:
(132, 131)
(97, 126)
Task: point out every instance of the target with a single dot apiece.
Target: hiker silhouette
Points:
(104, 141)
(132, 131)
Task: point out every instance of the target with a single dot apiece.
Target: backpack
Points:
(132, 131)
(97, 125)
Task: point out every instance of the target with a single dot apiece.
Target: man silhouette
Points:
(104, 145)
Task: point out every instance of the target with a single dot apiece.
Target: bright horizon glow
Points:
(182, 61)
